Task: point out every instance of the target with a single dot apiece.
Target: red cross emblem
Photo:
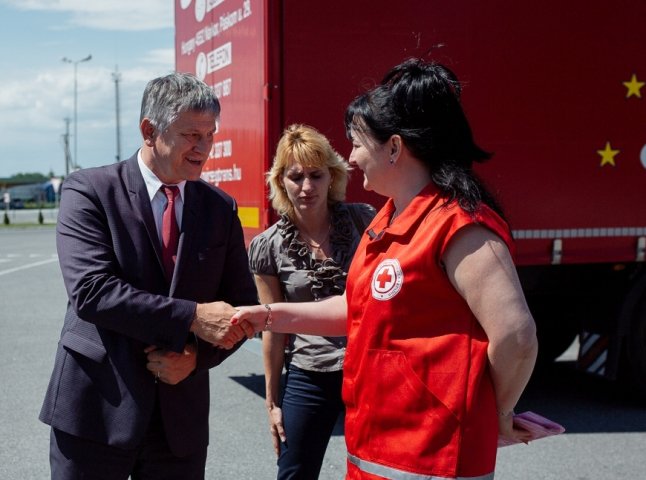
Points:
(384, 278)
(387, 279)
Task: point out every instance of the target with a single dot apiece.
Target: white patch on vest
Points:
(387, 280)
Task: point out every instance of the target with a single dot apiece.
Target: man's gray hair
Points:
(168, 96)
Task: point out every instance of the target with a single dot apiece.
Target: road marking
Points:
(29, 265)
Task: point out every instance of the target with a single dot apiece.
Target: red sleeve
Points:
(456, 218)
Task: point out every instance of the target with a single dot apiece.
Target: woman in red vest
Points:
(441, 343)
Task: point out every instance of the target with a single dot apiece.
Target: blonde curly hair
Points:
(310, 148)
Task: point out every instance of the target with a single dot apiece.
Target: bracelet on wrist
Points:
(506, 413)
(269, 319)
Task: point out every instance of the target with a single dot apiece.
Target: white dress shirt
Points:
(158, 199)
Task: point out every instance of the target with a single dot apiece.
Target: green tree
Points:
(32, 177)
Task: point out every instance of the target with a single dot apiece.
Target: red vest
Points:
(418, 394)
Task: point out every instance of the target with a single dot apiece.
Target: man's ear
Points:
(147, 132)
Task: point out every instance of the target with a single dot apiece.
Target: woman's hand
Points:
(508, 432)
(273, 355)
(255, 315)
(276, 428)
(326, 318)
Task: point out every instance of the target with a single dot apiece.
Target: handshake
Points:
(223, 325)
(213, 323)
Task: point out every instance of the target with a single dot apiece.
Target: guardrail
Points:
(29, 216)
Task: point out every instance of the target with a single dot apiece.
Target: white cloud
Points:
(48, 96)
(37, 88)
(160, 56)
(123, 15)
(33, 109)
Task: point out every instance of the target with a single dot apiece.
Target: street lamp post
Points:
(75, 63)
(66, 146)
(116, 76)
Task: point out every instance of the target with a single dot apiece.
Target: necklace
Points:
(316, 246)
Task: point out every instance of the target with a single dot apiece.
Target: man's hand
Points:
(212, 323)
(171, 367)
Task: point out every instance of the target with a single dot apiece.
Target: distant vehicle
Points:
(555, 91)
(34, 193)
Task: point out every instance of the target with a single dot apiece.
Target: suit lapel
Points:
(141, 204)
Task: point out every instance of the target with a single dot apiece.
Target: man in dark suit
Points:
(129, 394)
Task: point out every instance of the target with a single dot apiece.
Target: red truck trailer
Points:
(554, 89)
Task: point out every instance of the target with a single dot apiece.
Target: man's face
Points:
(180, 152)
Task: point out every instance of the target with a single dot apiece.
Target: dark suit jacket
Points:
(120, 303)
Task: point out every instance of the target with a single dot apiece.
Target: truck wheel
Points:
(556, 326)
(554, 338)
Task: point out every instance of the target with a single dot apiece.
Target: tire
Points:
(554, 338)
(556, 326)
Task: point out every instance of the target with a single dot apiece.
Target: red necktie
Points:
(170, 231)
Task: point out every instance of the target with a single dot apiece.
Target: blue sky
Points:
(37, 87)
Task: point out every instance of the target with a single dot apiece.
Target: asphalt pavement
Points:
(606, 425)
(32, 306)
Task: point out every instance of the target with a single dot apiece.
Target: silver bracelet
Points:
(269, 319)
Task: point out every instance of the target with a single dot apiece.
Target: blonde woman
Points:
(305, 257)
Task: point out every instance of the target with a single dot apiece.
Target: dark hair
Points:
(420, 102)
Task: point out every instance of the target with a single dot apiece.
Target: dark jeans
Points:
(311, 406)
